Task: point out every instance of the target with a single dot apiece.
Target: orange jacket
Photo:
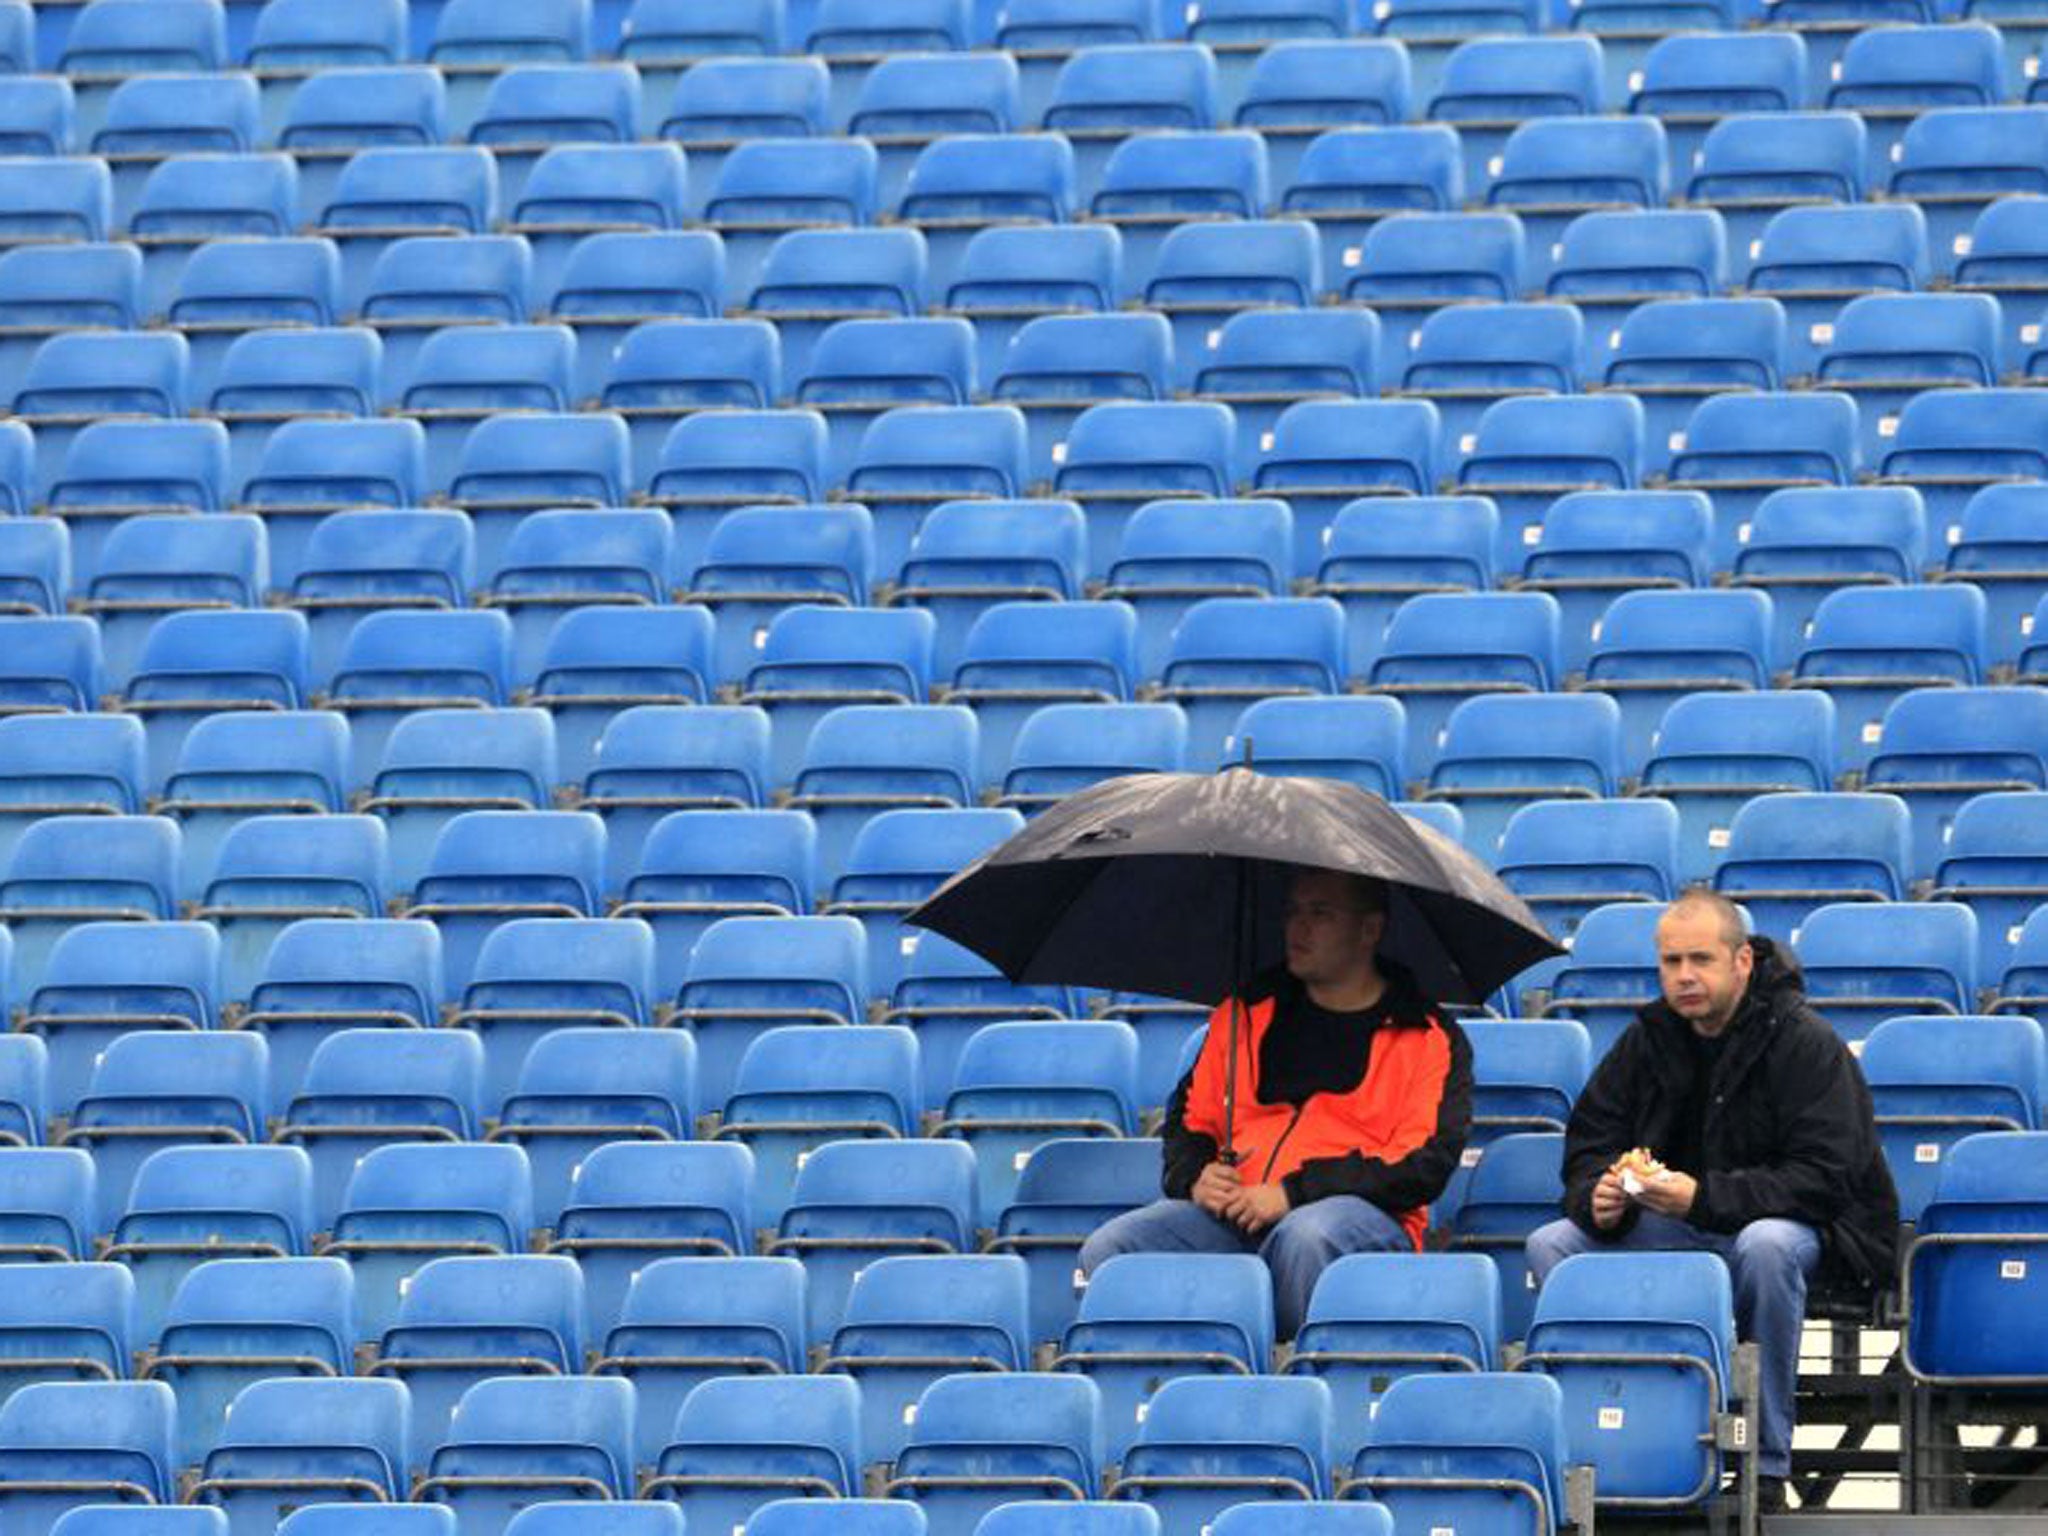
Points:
(1394, 1139)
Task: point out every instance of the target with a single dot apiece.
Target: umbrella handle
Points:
(1239, 982)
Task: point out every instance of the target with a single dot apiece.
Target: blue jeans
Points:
(1297, 1248)
(1769, 1263)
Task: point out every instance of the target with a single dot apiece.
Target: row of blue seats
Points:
(1887, 73)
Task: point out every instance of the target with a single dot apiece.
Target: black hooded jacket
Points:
(1788, 1128)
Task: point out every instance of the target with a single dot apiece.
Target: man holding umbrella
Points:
(1354, 1103)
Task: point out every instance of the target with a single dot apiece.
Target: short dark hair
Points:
(1368, 891)
(1734, 927)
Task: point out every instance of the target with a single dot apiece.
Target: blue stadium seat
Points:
(47, 289)
(1381, 551)
(341, 1520)
(633, 1207)
(580, 1088)
(1010, 273)
(1443, 647)
(192, 1204)
(1526, 1075)
(1786, 855)
(1062, 747)
(859, 1201)
(408, 1205)
(77, 378)
(946, 993)
(464, 1319)
(67, 764)
(1264, 360)
(1740, 447)
(1675, 354)
(365, 1087)
(1465, 358)
(151, 565)
(769, 187)
(1104, 95)
(389, 192)
(720, 102)
(1145, 1319)
(1056, 366)
(614, 280)
(1122, 454)
(1954, 161)
(1805, 544)
(658, 758)
(1042, 34)
(440, 762)
(711, 863)
(897, 859)
(1567, 857)
(511, 1442)
(1594, 546)
(238, 1321)
(812, 277)
(1935, 1079)
(1763, 155)
(1514, 1189)
(719, 460)
(98, 1442)
(914, 1319)
(2006, 247)
(1552, 169)
(38, 118)
(35, 556)
(1376, 1318)
(1991, 863)
(1995, 550)
(1016, 1086)
(1610, 263)
(66, 1322)
(1529, 450)
(131, 1105)
(1153, 182)
(1028, 1517)
(333, 114)
(472, 41)
(977, 177)
(747, 974)
(310, 469)
(1362, 741)
(114, 1520)
(1815, 259)
(1970, 1269)
(69, 869)
(665, 369)
(462, 376)
(1499, 754)
(486, 870)
(1408, 266)
(1951, 442)
(1938, 747)
(24, 1096)
(193, 199)
(399, 661)
(1652, 1333)
(816, 658)
(974, 1441)
(1867, 646)
(328, 974)
(1299, 87)
(1176, 553)
(1206, 1445)
(1869, 962)
(862, 760)
(150, 118)
(1065, 1189)
(1655, 649)
(860, 368)
(227, 291)
(555, 561)
(917, 457)
(531, 110)
(1226, 651)
(740, 1442)
(534, 975)
(58, 200)
(1021, 656)
(46, 1205)
(1490, 84)
(272, 870)
(1886, 348)
(663, 32)
(328, 1442)
(969, 556)
(602, 659)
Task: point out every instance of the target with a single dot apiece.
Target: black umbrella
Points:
(1172, 884)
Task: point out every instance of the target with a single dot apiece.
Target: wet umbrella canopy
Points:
(1173, 883)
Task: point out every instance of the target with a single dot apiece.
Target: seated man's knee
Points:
(1773, 1245)
(1551, 1244)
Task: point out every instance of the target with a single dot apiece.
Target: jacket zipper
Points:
(1273, 1156)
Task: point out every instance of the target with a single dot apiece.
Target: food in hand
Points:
(1638, 1167)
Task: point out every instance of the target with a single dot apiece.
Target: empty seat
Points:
(326, 1441)
(237, 1321)
(1594, 545)
(1498, 755)
(946, 993)
(356, 562)
(1994, 550)
(1381, 551)
(464, 1319)
(975, 1441)
(1514, 1189)
(2006, 246)
(1299, 87)
(1610, 263)
(664, 370)
(96, 1442)
(1740, 447)
(897, 860)
(654, 759)
(1951, 442)
(1990, 863)
(721, 102)
(1869, 962)
(60, 200)
(576, 559)
(1953, 161)
(862, 760)
(1960, 1267)
(1062, 747)
(1789, 854)
(1657, 649)
(1465, 358)
(1553, 169)
(1441, 1446)
(861, 368)
(1753, 164)
(1714, 752)
(816, 658)
(40, 119)
(739, 1442)
(1103, 95)
(46, 289)
(1567, 857)
(603, 659)
(399, 661)
(192, 199)
(969, 556)
(67, 764)
(310, 469)
(1056, 366)
(718, 460)
(273, 870)
(769, 187)
(811, 277)
(367, 1086)
(1228, 650)
(1489, 84)
(1806, 543)
(1120, 455)
(66, 1322)
(148, 119)
(46, 1204)
(1935, 1079)
(1408, 266)
(1442, 647)
(490, 867)
(511, 1441)
(534, 975)
(1813, 260)
(1176, 553)
(1008, 274)
(1869, 645)
(1885, 348)
(1021, 656)
(634, 1207)
(980, 176)
(1691, 80)
(614, 279)
(917, 457)
(1529, 450)
(1672, 354)
(1155, 180)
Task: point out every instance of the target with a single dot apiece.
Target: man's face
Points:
(1330, 934)
(1702, 975)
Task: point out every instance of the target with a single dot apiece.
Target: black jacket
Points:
(1788, 1132)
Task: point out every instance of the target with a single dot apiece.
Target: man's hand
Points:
(1215, 1189)
(1258, 1206)
(1670, 1195)
(1610, 1201)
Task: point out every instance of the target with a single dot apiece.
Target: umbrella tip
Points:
(1246, 760)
